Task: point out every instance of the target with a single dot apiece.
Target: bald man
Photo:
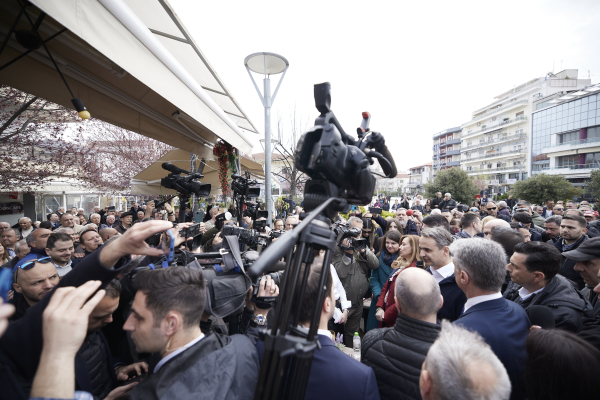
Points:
(107, 233)
(487, 229)
(33, 283)
(418, 300)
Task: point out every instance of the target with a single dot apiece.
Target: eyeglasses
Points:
(559, 209)
(491, 208)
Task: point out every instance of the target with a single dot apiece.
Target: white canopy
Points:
(133, 64)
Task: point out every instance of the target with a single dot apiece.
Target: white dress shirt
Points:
(524, 294)
(442, 273)
(338, 289)
(179, 350)
(480, 299)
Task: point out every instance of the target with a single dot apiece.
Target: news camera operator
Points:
(353, 268)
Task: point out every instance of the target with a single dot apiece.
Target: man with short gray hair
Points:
(292, 221)
(25, 227)
(397, 353)
(460, 365)
(435, 252)
(448, 204)
(480, 270)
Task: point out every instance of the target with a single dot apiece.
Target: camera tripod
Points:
(288, 350)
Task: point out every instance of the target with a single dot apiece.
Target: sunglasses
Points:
(491, 208)
(558, 209)
(28, 265)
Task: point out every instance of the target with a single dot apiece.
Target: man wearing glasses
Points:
(558, 210)
(492, 209)
(34, 277)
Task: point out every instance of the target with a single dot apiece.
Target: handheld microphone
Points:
(541, 316)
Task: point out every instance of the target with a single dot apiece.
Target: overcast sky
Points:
(419, 67)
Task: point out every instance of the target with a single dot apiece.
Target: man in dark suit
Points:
(333, 374)
(480, 269)
(435, 252)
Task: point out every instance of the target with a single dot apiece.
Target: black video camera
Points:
(241, 186)
(337, 164)
(249, 237)
(343, 231)
(184, 185)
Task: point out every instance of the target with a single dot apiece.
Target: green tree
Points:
(594, 185)
(454, 181)
(540, 187)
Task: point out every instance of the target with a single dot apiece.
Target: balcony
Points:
(501, 139)
(451, 153)
(495, 170)
(494, 111)
(448, 142)
(487, 128)
(494, 154)
(581, 170)
(453, 164)
(572, 145)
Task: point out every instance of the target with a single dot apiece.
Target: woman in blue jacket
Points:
(379, 276)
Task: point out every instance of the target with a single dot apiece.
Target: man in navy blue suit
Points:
(435, 252)
(333, 374)
(480, 269)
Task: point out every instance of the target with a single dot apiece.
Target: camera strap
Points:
(232, 258)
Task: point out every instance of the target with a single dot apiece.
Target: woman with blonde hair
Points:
(408, 256)
(486, 220)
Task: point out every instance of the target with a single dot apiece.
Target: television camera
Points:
(338, 168)
(186, 186)
(242, 191)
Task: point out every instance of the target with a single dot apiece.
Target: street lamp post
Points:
(267, 64)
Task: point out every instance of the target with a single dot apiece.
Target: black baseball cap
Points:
(588, 250)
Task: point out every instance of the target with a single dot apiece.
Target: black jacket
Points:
(217, 367)
(566, 303)
(396, 355)
(435, 203)
(21, 345)
(450, 204)
(567, 269)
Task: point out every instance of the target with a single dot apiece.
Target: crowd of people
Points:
(490, 300)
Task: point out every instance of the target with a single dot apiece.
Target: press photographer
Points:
(353, 262)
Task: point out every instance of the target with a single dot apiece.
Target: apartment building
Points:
(446, 149)
(495, 143)
(565, 136)
(419, 176)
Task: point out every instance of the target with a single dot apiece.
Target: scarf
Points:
(388, 258)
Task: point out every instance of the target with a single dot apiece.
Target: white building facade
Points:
(446, 149)
(495, 143)
(419, 176)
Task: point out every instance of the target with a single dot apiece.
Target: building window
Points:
(568, 137)
(593, 159)
(568, 161)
